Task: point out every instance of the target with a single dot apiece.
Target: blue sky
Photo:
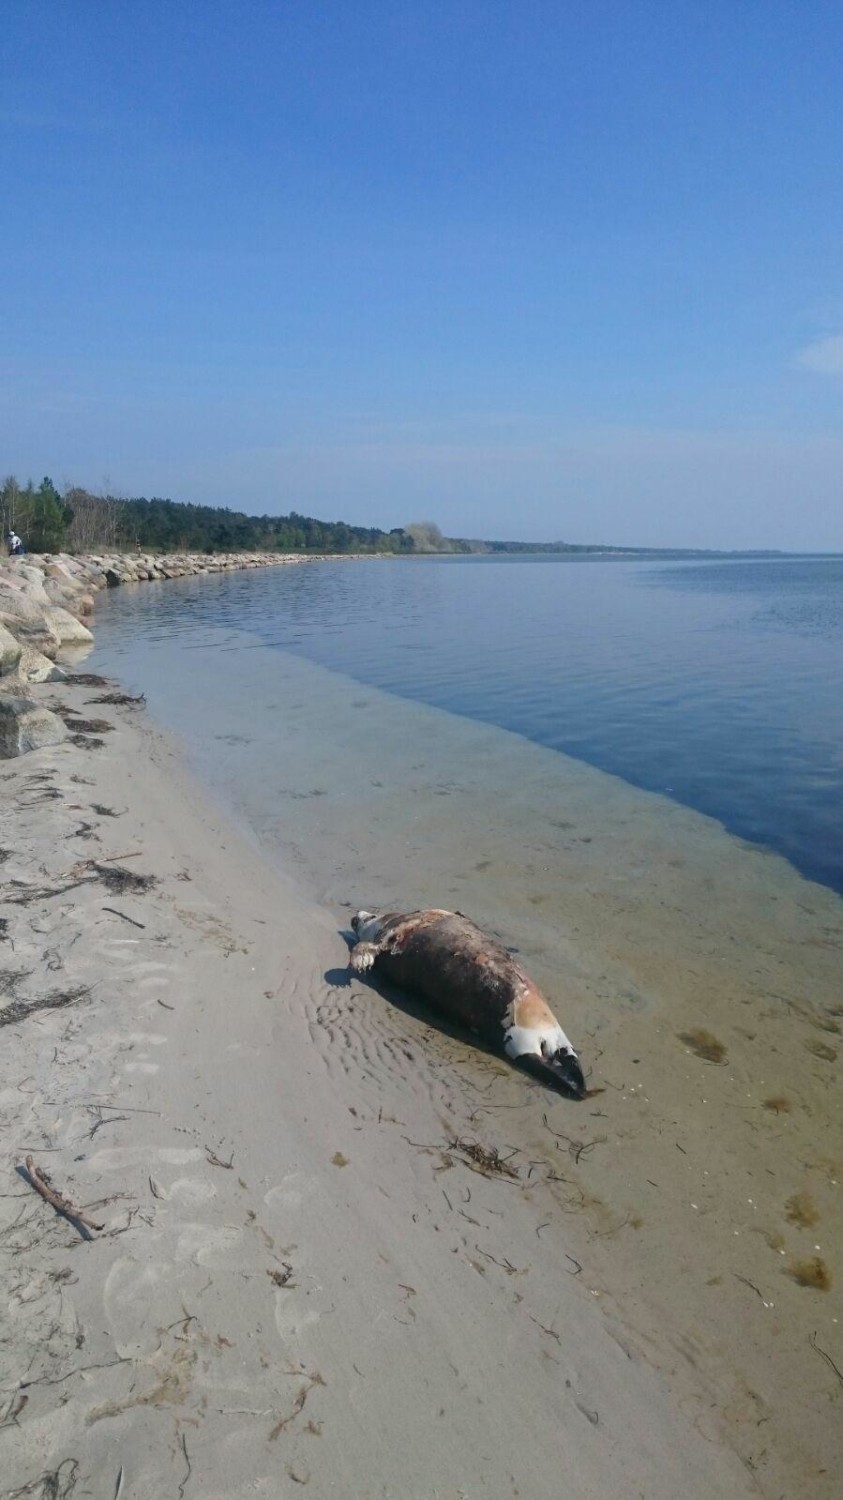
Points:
(539, 269)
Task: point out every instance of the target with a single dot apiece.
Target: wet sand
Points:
(304, 1280)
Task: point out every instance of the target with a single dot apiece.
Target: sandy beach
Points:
(343, 1251)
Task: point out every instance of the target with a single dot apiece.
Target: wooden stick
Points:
(56, 1200)
(122, 914)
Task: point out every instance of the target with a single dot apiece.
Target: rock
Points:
(70, 631)
(60, 594)
(32, 575)
(61, 573)
(16, 601)
(112, 578)
(34, 631)
(24, 725)
(35, 667)
(10, 651)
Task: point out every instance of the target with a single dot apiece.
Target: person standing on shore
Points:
(15, 544)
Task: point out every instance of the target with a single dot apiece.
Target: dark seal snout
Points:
(561, 1072)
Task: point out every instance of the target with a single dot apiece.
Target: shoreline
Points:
(280, 1292)
(331, 1308)
(46, 604)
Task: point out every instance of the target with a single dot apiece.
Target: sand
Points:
(305, 1280)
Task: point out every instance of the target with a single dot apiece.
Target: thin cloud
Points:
(824, 355)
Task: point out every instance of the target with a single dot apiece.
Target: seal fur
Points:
(473, 980)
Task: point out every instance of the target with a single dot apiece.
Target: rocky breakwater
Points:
(46, 603)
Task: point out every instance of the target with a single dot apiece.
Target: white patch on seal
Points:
(541, 1041)
(367, 926)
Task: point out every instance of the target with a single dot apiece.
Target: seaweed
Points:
(811, 1273)
(802, 1210)
(50, 1486)
(21, 1010)
(121, 699)
(704, 1044)
(120, 881)
(488, 1162)
(87, 726)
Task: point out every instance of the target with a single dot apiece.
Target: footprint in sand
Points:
(191, 1191)
(290, 1192)
(290, 1320)
(131, 1288)
(200, 1243)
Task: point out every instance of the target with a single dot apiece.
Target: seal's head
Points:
(544, 1051)
(560, 1071)
(366, 925)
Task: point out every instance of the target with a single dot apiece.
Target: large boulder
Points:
(33, 666)
(64, 596)
(70, 631)
(10, 651)
(33, 632)
(16, 599)
(61, 573)
(29, 573)
(24, 724)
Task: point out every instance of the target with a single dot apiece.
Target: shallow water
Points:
(718, 684)
(654, 932)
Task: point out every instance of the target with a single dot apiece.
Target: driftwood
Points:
(217, 1161)
(56, 1200)
(115, 913)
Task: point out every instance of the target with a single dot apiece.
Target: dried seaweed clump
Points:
(122, 699)
(489, 1162)
(19, 1010)
(704, 1044)
(812, 1273)
(88, 679)
(119, 881)
(88, 726)
(802, 1210)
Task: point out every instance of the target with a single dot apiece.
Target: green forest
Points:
(79, 521)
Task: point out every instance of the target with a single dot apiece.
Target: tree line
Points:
(79, 521)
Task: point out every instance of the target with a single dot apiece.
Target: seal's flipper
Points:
(362, 957)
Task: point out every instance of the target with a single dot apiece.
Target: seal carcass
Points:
(473, 980)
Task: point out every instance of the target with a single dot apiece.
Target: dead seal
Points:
(473, 980)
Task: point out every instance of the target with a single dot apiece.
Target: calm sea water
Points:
(719, 684)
